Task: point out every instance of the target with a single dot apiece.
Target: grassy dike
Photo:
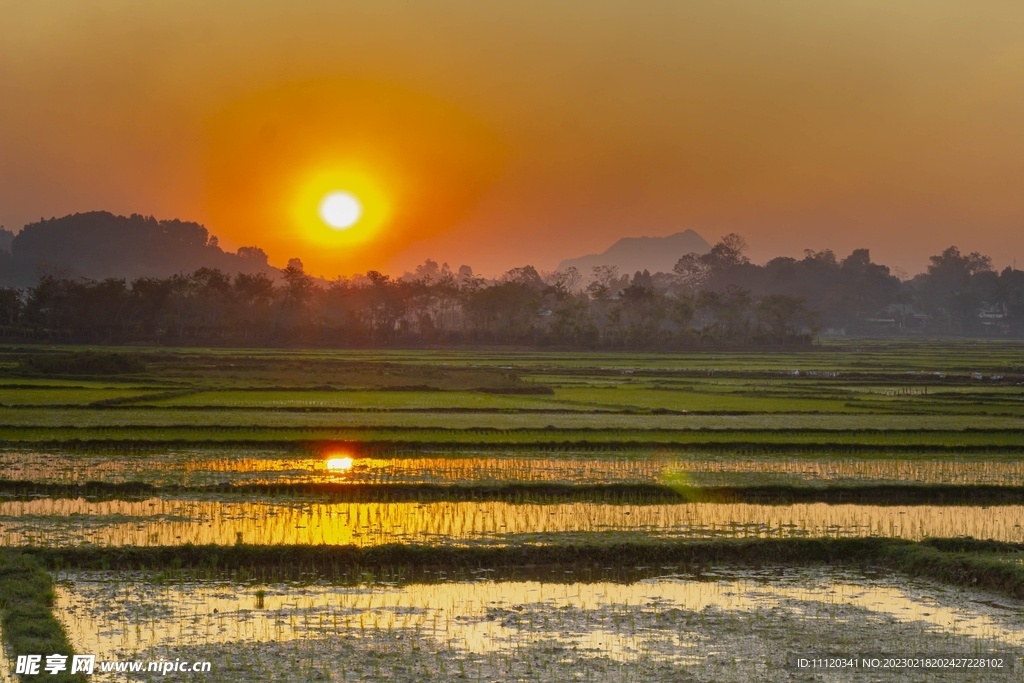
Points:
(26, 614)
(141, 440)
(537, 492)
(961, 562)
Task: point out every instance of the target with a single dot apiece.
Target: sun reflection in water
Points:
(198, 468)
(343, 464)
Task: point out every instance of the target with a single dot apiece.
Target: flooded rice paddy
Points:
(202, 468)
(170, 521)
(728, 625)
(894, 413)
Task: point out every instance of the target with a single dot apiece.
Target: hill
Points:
(630, 254)
(98, 245)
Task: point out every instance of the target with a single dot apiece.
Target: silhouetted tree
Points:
(784, 302)
(11, 307)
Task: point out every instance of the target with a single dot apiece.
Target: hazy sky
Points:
(503, 133)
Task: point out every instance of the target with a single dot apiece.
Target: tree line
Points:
(709, 300)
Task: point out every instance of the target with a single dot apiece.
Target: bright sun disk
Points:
(340, 210)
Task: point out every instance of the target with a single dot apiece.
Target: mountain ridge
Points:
(630, 254)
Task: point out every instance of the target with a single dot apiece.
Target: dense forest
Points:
(714, 299)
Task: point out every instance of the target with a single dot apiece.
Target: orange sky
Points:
(504, 133)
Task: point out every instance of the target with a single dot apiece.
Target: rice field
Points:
(439, 453)
(648, 466)
(724, 626)
(162, 521)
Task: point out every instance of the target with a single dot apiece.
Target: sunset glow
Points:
(807, 126)
(413, 164)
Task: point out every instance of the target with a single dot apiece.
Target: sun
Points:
(335, 207)
(340, 210)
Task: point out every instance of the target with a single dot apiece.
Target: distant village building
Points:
(900, 315)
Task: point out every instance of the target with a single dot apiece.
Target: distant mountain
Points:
(630, 254)
(100, 245)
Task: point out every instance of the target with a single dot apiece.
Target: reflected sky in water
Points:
(675, 619)
(172, 521)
